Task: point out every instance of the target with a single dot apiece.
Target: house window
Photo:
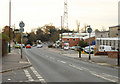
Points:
(106, 42)
(110, 42)
(103, 42)
(114, 43)
(73, 39)
(67, 39)
(98, 42)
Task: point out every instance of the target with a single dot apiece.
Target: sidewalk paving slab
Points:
(13, 61)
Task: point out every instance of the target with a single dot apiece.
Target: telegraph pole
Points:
(9, 25)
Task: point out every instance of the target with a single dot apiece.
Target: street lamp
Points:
(61, 32)
(89, 31)
(9, 25)
(21, 24)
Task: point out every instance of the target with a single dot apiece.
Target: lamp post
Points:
(9, 25)
(89, 31)
(61, 32)
(21, 24)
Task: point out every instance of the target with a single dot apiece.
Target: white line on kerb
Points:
(38, 75)
(28, 75)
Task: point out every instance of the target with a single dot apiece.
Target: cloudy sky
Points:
(36, 13)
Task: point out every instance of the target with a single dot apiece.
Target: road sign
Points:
(89, 30)
(21, 24)
(21, 29)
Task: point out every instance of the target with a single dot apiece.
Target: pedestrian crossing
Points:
(33, 76)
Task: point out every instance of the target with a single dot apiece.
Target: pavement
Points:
(12, 61)
(101, 60)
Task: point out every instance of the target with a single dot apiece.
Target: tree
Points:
(82, 43)
(6, 31)
(18, 38)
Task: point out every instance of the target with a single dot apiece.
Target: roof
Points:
(115, 38)
(114, 26)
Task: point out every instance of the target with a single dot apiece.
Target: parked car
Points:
(33, 45)
(72, 48)
(39, 46)
(28, 46)
(77, 48)
(87, 49)
(23, 45)
(17, 46)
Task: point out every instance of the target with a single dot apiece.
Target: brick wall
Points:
(113, 54)
(91, 39)
(71, 41)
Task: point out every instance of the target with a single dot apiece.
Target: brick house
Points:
(74, 38)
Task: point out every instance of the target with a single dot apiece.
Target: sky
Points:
(36, 13)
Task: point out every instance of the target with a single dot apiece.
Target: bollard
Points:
(80, 52)
(118, 58)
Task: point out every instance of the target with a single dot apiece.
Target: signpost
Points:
(89, 31)
(21, 24)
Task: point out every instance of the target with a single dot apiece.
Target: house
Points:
(74, 38)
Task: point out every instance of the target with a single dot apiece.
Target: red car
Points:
(28, 46)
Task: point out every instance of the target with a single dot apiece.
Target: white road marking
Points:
(62, 62)
(52, 58)
(75, 67)
(28, 75)
(9, 79)
(38, 75)
(110, 75)
(104, 77)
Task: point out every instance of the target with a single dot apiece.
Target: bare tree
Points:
(103, 28)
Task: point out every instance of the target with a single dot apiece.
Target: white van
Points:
(66, 46)
(106, 48)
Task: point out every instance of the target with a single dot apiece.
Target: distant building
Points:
(74, 38)
(107, 41)
(101, 34)
(109, 38)
(113, 31)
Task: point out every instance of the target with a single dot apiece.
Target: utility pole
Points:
(9, 25)
(61, 32)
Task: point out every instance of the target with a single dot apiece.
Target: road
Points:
(55, 67)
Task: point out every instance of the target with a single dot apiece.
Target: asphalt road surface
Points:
(54, 67)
